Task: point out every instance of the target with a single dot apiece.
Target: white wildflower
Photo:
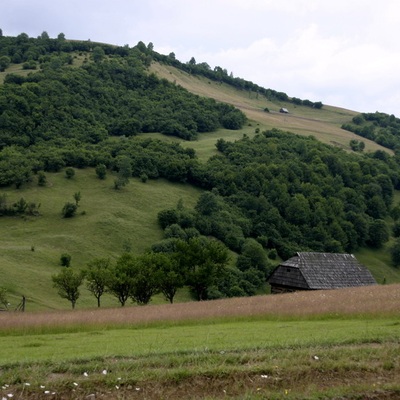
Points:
(104, 372)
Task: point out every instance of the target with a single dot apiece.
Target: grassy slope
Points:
(324, 124)
(117, 219)
(113, 221)
(243, 359)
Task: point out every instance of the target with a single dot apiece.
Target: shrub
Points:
(69, 173)
(65, 260)
(101, 171)
(395, 253)
(69, 210)
(42, 180)
(144, 177)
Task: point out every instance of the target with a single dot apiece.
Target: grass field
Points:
(324, 124)
(328, 344)
(115, 221)
(342, 344)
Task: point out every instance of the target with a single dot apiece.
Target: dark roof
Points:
(309, 270)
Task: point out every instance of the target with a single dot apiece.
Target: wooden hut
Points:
(313, 271)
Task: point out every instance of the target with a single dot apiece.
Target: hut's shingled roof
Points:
(308, 270)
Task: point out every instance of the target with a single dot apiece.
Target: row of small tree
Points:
(197, 263)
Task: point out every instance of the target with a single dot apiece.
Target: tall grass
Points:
(369, 300)
(311, 345)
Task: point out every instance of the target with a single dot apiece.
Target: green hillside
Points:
(113, 222)
(88, 104)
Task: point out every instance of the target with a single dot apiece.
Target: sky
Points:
(344, 53)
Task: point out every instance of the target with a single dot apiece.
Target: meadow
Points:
(324, 124)
(340, 344)
(111, 222)
(108, 223)
(311, 345)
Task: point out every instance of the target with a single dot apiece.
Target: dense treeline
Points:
(291, 193)
(219, 74)
(64, 116)
(98, 100)
(23, 48)
(381, 128)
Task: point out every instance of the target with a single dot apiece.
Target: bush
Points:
(42, 180)
(69, 173)
(167, 217)
(69, 210)
(65, 260)
(395, 253)
(273, 254)
(233, 120)
(101, 171)
(144, 177)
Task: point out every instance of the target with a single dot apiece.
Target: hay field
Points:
(371, 300)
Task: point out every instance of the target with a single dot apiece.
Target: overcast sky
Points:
(341, 52)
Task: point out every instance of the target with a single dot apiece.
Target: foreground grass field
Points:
(329, 344)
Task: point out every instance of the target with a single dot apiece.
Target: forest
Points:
(65, 116)
(263, 197)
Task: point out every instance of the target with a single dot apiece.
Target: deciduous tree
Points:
(147, 275)
(4, 63)
(97, 276)
(204, 261)
(121, 282)
(67, 282)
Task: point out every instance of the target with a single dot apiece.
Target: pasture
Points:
(312, 345)
(324, 124)
(108, 223)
